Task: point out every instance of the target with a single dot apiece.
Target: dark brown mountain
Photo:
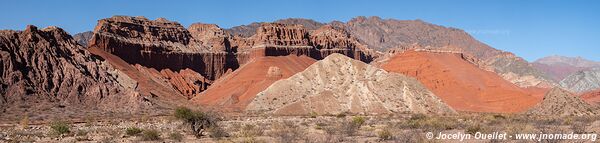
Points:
(83, 38)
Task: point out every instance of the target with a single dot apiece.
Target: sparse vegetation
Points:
(473, 129)
(419, 121)
(385, 134)
(24, 122)
(358, 120)
(197, 120)
(176, 136)
(133, 131)
(250, 131)
(341, 115)
(286, 131)
(313, 114)
(217, 132)
(150, 135)
(60, 127)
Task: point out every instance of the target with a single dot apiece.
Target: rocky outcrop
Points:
(582, 81)
(250, 29)
(46, 72)
(329, 39)
(559, 67)
(167, 47)
(384, 34)
(562, 103)
(209, 50)
(211, 36)
(275, 39)
(338, 84)
(83, 38)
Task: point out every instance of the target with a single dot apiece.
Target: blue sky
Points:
(528, 28)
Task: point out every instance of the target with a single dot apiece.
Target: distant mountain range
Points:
(559, 67)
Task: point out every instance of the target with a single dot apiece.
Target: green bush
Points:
(150, 135)
(60, 127)
(198, 121)
(132, 131)
(358, 120)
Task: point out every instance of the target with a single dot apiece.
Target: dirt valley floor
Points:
(313, 128)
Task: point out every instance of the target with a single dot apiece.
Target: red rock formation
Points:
(206, 49)
(276, 39)
(211, 36)
(328, 40)
(236, 90)
(592, 96)
(463, 85)
(383, 34)
(46, 74)
(158, 44)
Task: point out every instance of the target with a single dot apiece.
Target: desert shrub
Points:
(420, 121)
(418, 117)
(473, 129)
(320, 125)
(385, 134)
(358, 120)
(287, 132)
(217, 132)
(150, 135)
(341, 115)
(24, 122)
(176, 136)
(60, 127)
(411, 136)
(81, 132)
(250, 131)
(313, 114)
(133, 131)
(578, 127)
(198, 121)
(350, 128)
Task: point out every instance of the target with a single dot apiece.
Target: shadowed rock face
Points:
(158, 44)
(47, 71)
(339, 84)
(562, 103)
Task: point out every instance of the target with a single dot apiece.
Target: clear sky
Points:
(528, 28)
